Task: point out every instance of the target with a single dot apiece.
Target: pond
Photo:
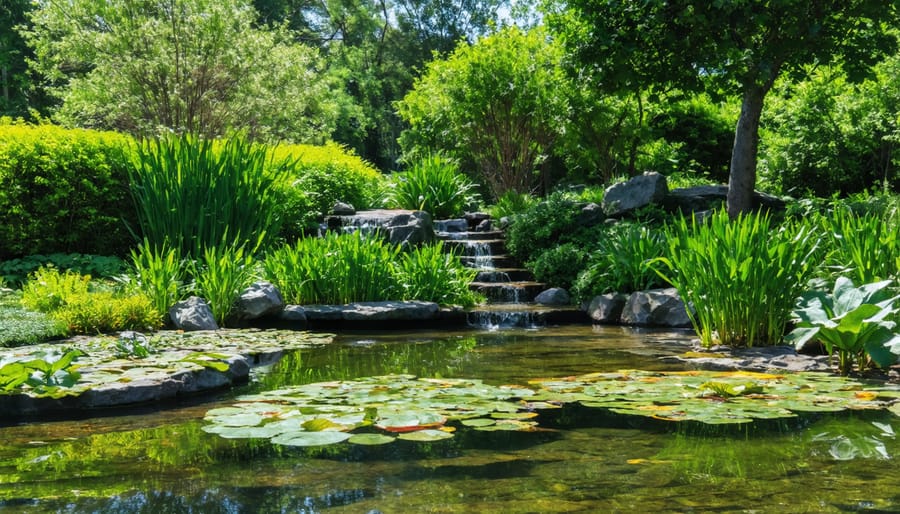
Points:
(160, 460)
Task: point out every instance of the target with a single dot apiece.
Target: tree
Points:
(739, 46)
(498, 104)
(18, 94)
(199, 66)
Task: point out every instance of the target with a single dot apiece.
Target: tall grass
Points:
(220, 276)
(159, 272)
(429, 273)
(191, 192)
(865, 246)
(622, 262)
(742, 276)
(335, 269)
(434, 184)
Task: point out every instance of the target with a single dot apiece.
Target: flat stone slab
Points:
(180, 363)
(373, 311)
(761, 359)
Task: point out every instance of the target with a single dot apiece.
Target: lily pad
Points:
(370, 439)
(425, 436)
(322, 438)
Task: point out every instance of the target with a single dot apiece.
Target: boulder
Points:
(484, 226)
(607, 308)
(553, 296)
(373, 311)
(293, 316)
(343, 209)
(451, 226)
(474, 218)
(193, 314)
(640, 191)
(398, 226)
(260, 300)
(656, 307)
(590, 215)
(711, 197)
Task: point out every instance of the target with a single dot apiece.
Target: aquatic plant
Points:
(222, 272)
(434, 184)
(865, 246)
(47, 373)
(429, 273)
(851, 321)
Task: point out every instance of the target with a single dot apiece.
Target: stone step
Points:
(482, 247)
(489, 262)
(528, 315)
(508, 292)
(469, 236)
(504, 275)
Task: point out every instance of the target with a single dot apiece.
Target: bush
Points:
(558, 266)
(430, 274)
(193, 194)
(741, 276)
(512, 203)
(550, 223)
(63, 191)
(318, 177)
(433, 184)
(622, 262)
(16, 271)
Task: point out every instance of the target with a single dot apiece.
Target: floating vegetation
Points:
(380, 410)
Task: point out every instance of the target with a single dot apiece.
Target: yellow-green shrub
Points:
(321, 176)
(63, 191)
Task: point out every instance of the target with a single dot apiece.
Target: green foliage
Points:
(851, 321)
(220, 276)
(549, 223)
(558, 266)
(20, 327)
(70, 298)
(44, 375)
(511, 203)
(159, 273)
(213, 71)
(865, 245)
(497, 105)
(63, 191)
(193, 194)
(622, 262)
(133, 346)
(16, 271)
(431, 274)
(318, 177)
(335, 269)
(741, 276)
(433, 183)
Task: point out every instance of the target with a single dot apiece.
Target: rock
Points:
(373, 311)
(323, 312)
(590, 215)
(484, 226)
(553, 296)
(193, 314)
(474, 218)
(293, 316)
(640, 191)
(706, 198)
(454, 225)
(398, 226)
(260, 300)
(656, 307)
(761, 359)
(343, 209)
(607, 308)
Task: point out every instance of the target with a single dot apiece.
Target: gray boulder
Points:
(639, 191)
(607, 308)
(260, 300)
(553, 296)
(373, 311)
(293, 316)
(343, 209)
(452, 225)
(398, 226)
(656, 307)
(711, 197)
(193, 314)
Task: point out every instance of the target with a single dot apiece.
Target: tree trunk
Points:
(742, 176)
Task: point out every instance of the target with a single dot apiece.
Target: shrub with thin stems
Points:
(864, 245)
(622, 262)
(742, 276)
(334, 269)
(220, 275)
(434, 184)
(190, 192)
(432, 274)
(159, 273)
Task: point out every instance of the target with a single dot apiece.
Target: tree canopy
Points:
(724, 45)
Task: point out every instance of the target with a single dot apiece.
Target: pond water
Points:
(160, 461)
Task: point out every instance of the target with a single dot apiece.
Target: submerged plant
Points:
(741, 276)
(852, 322)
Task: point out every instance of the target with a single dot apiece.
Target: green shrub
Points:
(16, 271)
(20, 327)
(434, 184)
(741, 276)
(192, 194)
(318, 177)
(220, 276)
(63, 191)
(73, 300)
(550, 223)
(335, 269)
(621, 263)
(430, 274)
(512, 203)
(558, 266)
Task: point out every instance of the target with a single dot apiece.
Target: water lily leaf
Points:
(261, 432)
(319, 424)
(424, 436)
(478, 422)
(895, 408)
(245, 419)
(370, 439)
(323, 438)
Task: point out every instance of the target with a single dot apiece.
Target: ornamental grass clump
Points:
(431, 274)
(220, 275)
(158, 272)
(865, 246)
(334, 269)
(191, 192)
(434, 184)
(741, 276)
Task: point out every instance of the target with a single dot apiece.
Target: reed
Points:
(865, 246)
(220, 276)
(158, 272)
(741, 276)
(430, 273)
(434, 184)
